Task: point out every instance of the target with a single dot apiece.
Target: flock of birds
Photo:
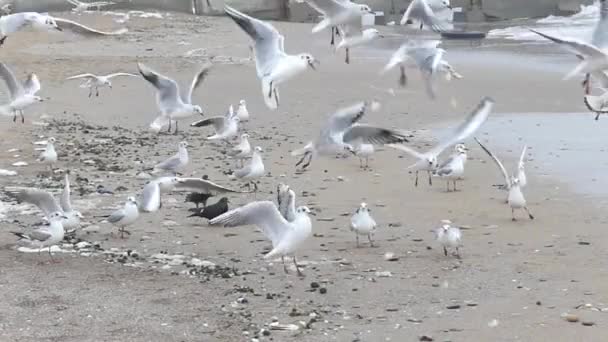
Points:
(286, 225)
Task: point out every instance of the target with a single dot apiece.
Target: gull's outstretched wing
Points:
(42, 199)
(197, 81)
(268, 45)
(69, 25)
(263, 214)
(575, 46)
(497, 162)
(408, 150)
(150, 197)
(286, 199)
(64, 200)
(202, 186)
(374, 135)
(467, 128)
(15, 88)
(344, 118)
(168, 90)
(522, 157)
(420, 10)
(600, 33)
(87, 75)
(216, 121)
(116, 74)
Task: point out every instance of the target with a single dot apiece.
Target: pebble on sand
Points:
(572, 318)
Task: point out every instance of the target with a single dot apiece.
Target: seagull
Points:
(286, 237)
(353, 35)
(516, 199)
(453, 168)
(214, 210)
(286, 202)
(45, 236)
(273, 65)
(242, 150)
(362, 223)
(171, 104)
(49, 155)
(242, 111)
(597, 104)
(125, 217)
(49, 205)
(15, 22)
(420, 10)
(226, 127)
(176, 162)
(21, 95)
(253, 169)
(449, 237)
(593, 55)
(84, 6)
(337, 12)
(364, 151)
(342, 132)
(94, 82)
(428, 161)
(80, 29)
(428, 58)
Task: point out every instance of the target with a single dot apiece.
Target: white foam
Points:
(4, 172)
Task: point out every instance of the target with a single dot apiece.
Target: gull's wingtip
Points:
(488, 100)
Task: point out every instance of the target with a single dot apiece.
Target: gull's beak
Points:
(64, 217)
(381, 35)
(311, 213)
(313, 63)
(58, 28)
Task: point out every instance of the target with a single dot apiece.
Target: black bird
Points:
(214, 210)
(198, 198)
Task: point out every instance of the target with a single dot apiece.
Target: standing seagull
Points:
(286, 237)
(125, 217)
(516, 199)
(362, 223)
(420, 11)
(226, 127)
(170, 102)
(449, 236)
(242, 150)
(453, 168)
(253, 169)
(428, 58)
(428, 161)
(45, 236)
(21, 95)
(242, 111)
(273, 65)
(49, 155)
(176, 162)
(342, 132)
(94, 82)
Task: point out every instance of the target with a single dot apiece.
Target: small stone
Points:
(493, 323)
(538, 303)
(314, 285)
(390, 256)
(265, 332)
(453, 307)
(384, 274)
(340, 178)
(588, 323)
(322, 290)
(584, 243)
(572, 318)
(425, 338)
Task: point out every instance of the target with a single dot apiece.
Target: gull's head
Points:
(37, 98)
(197, 109)
(461, 149)
(49, 22)
(350, 148)
(107, 83)
(304, 210)
(132, 200)
(57, 216)
(258, 149)
(446, 3)
(432, 160)
(514, 181)
(51, 140)
(365, 9)
(182, 144)
(363, 207)
(310, 60)
(78, 214)
(242, 103)
(244, 136)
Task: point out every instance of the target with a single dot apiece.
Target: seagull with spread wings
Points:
(421, 11)
(94, 82)
(22, 95)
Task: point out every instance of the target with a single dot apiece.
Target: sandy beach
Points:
(514, 282)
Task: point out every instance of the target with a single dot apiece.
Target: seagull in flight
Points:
(354, 35)
(22, 95)
(421, 11)
(428, 161)
(94, 82)
(342, 132)
(336, 12)
(172, 105)
(273, 65)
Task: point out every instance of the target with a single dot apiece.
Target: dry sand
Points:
(521, 275)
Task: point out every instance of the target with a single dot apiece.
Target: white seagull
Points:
(273, 65)
(242, 150)
(597, 103)
(449, 237)
(49, 205)
(428, 161)
(286, 237)
(46, 236)
(242, 111)
(342, 132)
(420, 11)
(516, 199)
(125, 216)
(94, 82)
(73, 217)
(226, 127)
(253, 169)
(453, 168)
(176, 162)
(336, 12)
(428, 58)
(172, 105)
(354, 35)
(362, 223)
(49, 155)
(21, 95)
(364, 151)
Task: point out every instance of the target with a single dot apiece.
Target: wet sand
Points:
(523, 274)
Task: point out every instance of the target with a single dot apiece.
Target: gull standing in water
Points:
(45, 236)
(242, 111)
(242, 150)
(449, 237)
(172, 106)
(49, 155)
(176, 162)
(453, 168)
(226, 127)
(286, 237)
(362, 223)
(342, 132)
(428, 161)
(516, 199)
(428, 58)
(273, 65)
(253, 169)
(125, 216)
(21, 95)
(94, 82)
(421, 11)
